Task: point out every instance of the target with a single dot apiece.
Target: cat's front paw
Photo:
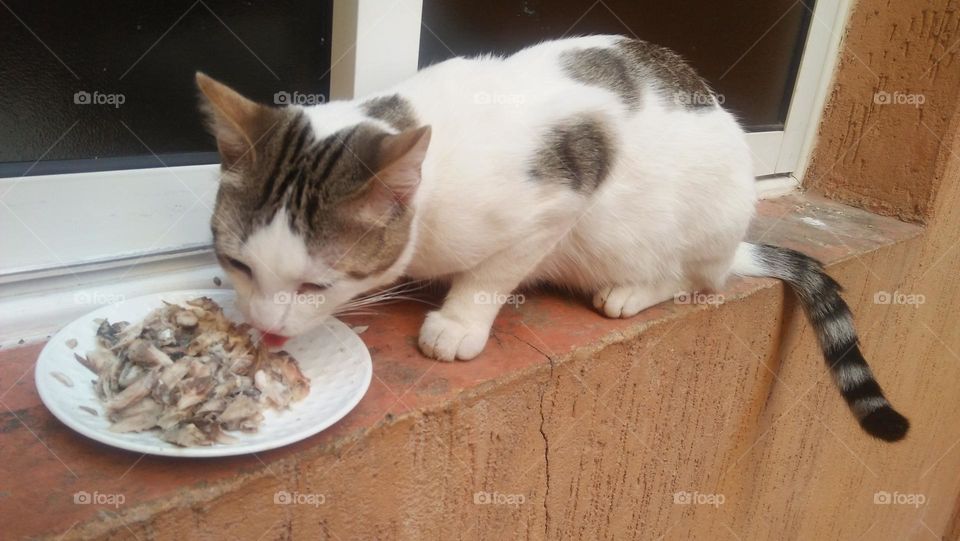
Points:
(446, 339)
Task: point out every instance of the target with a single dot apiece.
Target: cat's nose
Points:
(276, 330)
(267, 315)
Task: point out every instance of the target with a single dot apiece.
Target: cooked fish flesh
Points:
(89, 410)
(62, 378)
(189, 374)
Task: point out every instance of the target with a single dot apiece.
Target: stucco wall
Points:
(887, 120)
(731, 405)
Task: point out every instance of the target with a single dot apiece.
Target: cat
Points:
(600, 164)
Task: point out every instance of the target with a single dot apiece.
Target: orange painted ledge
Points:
(44, 463)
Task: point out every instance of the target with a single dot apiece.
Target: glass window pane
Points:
(93, 86)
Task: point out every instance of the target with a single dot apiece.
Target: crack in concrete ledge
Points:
(546, 460)
(543, 435)
(546, 441)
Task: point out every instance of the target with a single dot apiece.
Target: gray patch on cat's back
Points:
(577, 152)
(683, 85)
(606, 68)
(393, 109)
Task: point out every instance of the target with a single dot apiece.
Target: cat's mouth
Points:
(273, 340)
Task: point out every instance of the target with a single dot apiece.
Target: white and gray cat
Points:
(600, 164)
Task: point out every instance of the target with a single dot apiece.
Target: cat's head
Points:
(313, 209)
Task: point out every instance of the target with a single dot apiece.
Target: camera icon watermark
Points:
(697, 297)
(297, 298)
(298, 98)
(697, 498)
(96, 298)
(484, 297)
(282, 497)
(883, 97)
(498, 98)
(896, 297)
(497, 498)
(896, 498)
(82, 97)
(96, 498)
(698, 98)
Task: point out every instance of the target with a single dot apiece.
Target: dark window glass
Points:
(105, 85)
(748, 51)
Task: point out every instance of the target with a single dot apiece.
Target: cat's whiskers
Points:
(356, 313)
(400, 292)
(391, 294)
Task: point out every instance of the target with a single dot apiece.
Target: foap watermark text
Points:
(698, 99)
(898, 98)
(897, 297)
(498, 98)
(897, 498)
(485, 297)
(310, 299)
(98, 498)
(96, 298)
(298, 98)
(497, 498)
(698, 498)
(697, 297)
(82, 97)
(282, 497)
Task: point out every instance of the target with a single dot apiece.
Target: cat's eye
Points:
(239, 265)
(312, 287)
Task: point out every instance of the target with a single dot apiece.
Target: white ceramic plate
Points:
(333, 357)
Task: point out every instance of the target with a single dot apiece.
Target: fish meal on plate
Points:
(189, 374)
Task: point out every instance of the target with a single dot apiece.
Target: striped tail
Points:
(831, 318)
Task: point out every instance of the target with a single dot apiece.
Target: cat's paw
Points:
(446, 339)
(624, 301)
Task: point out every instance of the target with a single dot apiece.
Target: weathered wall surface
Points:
(731, 406)
(886, 121)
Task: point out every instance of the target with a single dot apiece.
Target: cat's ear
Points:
(399, 160)
(237, 122)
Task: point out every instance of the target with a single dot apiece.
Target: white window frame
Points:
(135, 232)
(786, 152)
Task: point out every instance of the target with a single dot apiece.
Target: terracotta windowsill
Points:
(45, 463)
